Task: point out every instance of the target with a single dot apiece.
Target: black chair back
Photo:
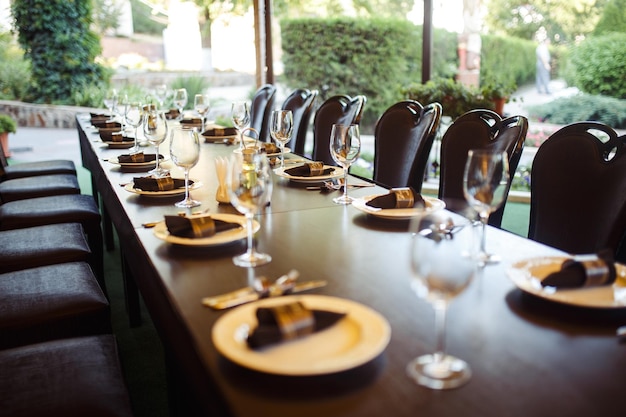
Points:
(300, 102)
(403, 139)
(578, 189)
(339, 109)
(261, 109)
(477, 129)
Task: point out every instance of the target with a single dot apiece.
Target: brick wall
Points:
(42, 115)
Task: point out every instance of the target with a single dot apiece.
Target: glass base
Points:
(187, 203)
(485, 259)
(448, 373)
(252, 259)
(159, 173)
(344, 199)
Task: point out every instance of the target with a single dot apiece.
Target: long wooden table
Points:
(529, 356)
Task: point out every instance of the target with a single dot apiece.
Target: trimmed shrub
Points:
(582, 107)
(599, 65)
(14, 69)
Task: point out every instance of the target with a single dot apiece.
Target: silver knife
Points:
(248, 294)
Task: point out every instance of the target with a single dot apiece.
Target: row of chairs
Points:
(57, 352)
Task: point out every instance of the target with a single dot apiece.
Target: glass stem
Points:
(249, 220)
(441, 309)
(156, 153)
(186, 184)
(484, 218)
(136, 138)
(345, 184)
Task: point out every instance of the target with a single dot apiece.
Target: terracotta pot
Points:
(4, 140)
(499, 105)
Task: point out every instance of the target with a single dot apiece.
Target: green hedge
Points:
(566, 110)
(598, 65)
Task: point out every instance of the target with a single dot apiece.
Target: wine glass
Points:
(110, 101)
(160, 92)
(155, 130)
(240, 115)
(180, 101)
(132, 116)
(442, 268)
(185, 152)
(345, 147)
(281, 126)
(201, 105)
(485, 183)
(249, 185)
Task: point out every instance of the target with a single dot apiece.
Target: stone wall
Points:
(42, 115)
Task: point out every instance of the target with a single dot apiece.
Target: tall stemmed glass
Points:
(110, 101)
(185, 152)
(485, 183)
(180, 101)
(240, 115)
(132, 115)
(201, 104)
(160, 92)
(441, 269)
(155, 130)
(281, 127)
(345, 147)
(249, 185)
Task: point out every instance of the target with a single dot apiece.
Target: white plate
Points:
(287, 150)
(222, 238)
(125, 144)
(212, 139)
(354, 340)
(527, 275)
(432, 204)
(148, 164)
(336, 174)
(169, 193)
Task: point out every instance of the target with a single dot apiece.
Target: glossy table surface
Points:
(529, 356)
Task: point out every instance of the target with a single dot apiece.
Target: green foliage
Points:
(372, 57)
(193, 84)
(7, 124)
(56, 38)
(143, 21)
(106, 15)
(582, 107)
(506, 60)
(14, 69)
(599, 65)
(613, 18)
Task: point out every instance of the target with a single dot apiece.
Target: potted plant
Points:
(499, 91)
(7, 125)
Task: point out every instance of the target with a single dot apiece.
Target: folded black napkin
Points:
(197, 227)
(289, 321)
(405, 197)
(309, 169)
(269, 148)
(137, 157)
(583, 271)
(158, 184)
(105, 124)
(220, 131)
(193, 121)
(172, 114)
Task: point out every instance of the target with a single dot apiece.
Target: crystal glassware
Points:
(442, 267)
(180, 101)
(281, 127)
(240, 115)
(345, 147)
(160, 92)
(249, 184)
(132, 116)
(485, 184)
(110, 101)
(201, 105)
(185, 152)
(155, 130)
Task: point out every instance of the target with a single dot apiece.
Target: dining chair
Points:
(261, 109)
(31, 169)
(300, 102)
(578, 189)
(339, 109)
(403, 138)
(477, 129)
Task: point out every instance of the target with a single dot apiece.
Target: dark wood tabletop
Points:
(529, 356)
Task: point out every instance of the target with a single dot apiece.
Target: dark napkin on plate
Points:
(220, 131)
(309, 169)
(289, 321)
(405, 197)
(136, 157)
(158, 184)
(172, 114)
(197, 227)
(583, 271)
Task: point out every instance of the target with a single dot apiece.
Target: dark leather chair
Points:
(32, 169)
(261, 110)
(51, 302)
(477, 129)
(72, 377)
(403, 138)
(339, 109)
(578, 189)
(300, 102)
(38, 186)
